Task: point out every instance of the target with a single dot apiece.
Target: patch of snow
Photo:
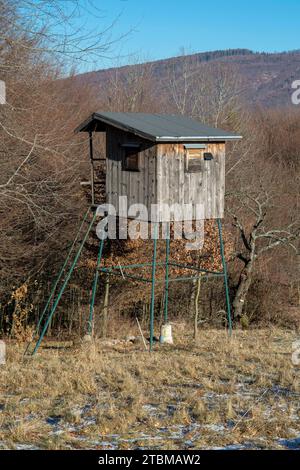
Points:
(292, 444)
(26, 447)
(151, 409)
(214, 427)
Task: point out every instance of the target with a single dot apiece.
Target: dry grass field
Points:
(233, 393)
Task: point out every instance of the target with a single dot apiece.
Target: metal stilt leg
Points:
(54, 307)
(167, 274)
(153, 285)
(94, 289)
(58, 279)
(225, 276)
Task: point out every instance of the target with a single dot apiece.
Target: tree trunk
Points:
(242, 290)
(197, 307)
(194, 290)
(105, 307)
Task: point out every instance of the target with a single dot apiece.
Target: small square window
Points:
(194, 158)
(130, 158)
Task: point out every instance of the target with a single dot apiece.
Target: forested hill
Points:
(267, 77)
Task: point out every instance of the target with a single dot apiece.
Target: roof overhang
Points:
(198, 138)
(94, 122)
(98, 122)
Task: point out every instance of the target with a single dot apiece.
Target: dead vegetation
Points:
(244, 393)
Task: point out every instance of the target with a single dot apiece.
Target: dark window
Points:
(131, 158)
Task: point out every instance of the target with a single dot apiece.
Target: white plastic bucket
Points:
(2, 352)
(166, 334)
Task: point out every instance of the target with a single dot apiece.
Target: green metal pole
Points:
(225, 276)
(153, 286)
(62, 270)
(63, 286)
(167, 274)
(58, 279)
(139, 265)
(124, 276)
(94, 289)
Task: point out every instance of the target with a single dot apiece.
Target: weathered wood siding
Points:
(139, 186)
(162, 178)
(175, 185)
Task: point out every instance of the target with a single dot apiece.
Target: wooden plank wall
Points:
(139, 187)
(177, 186)
(162, 177)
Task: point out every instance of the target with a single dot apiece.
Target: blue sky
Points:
(160, 28)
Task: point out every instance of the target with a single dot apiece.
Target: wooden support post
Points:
(92, 168)
(105, 306)
(198, 288)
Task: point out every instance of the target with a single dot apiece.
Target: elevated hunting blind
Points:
(161, 159)
(152, 160)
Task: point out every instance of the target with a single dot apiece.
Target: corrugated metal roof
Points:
(158, 127)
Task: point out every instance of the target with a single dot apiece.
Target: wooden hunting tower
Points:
(161, 159)
(152, 160)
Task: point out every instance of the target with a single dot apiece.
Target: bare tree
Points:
(56, 31)
(205, 91)
(40, 161)
(130, 88)
(253, 214)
